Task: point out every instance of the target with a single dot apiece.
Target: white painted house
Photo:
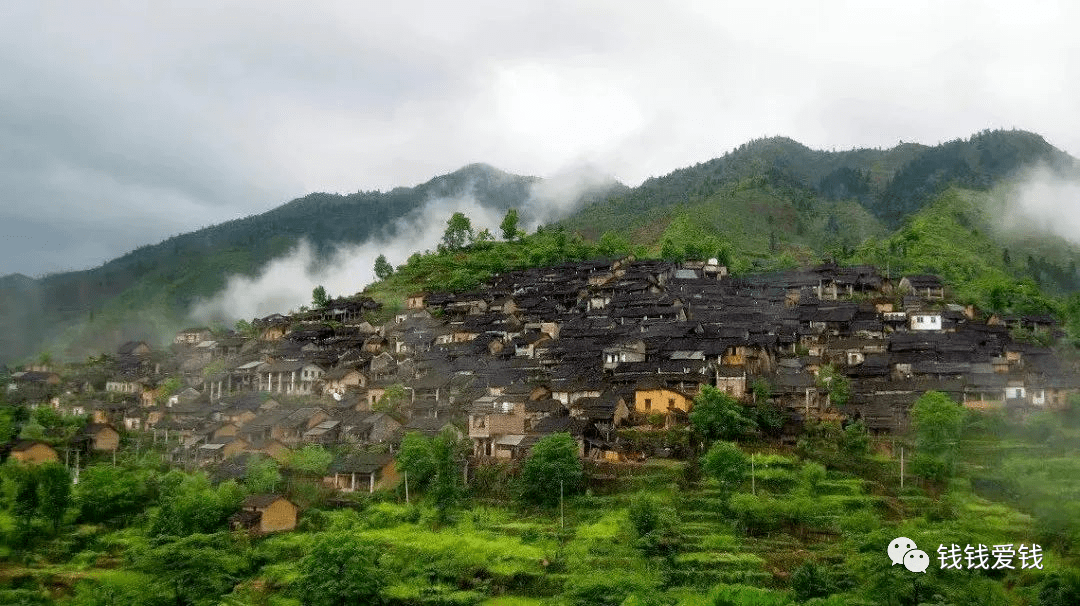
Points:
(925, 321)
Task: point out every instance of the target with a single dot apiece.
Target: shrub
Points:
(811, 476)
(727, 464)
(808, 581)
(553, 462)
(340, 571)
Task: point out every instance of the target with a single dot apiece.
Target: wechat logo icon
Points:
(903, 550)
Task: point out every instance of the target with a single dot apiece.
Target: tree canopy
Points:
(459, 232)
(383, 269)
(552, 462)
(937, 422)
(509, 225)
(726, 464)
(319, 298)
(718, 416)
(340, 570)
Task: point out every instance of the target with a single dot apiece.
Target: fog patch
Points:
(286, 283)
(1045, 200)
(564, 192)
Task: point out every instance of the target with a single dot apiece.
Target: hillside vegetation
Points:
(148, 292)
(771, 203)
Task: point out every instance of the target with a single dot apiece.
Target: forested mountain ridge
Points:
(891, 184)
(152, 288)
(774, 201)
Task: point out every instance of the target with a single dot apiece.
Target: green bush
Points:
(744, 595)
(809, 581)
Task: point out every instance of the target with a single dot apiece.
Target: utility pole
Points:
(406, 487)
(562, 518)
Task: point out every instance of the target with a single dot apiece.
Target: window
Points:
(648, 404)
(671, 402)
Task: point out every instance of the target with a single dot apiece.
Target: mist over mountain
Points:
(768, 197)
(150, 292)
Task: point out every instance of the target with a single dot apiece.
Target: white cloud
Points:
(1044, 200)
(286, 283)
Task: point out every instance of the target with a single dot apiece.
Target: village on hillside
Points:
(589, 348)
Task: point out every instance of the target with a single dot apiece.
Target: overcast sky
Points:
(121, 125)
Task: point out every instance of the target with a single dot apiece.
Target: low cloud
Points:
(1045, 200)
(286, 283)
(562, 193)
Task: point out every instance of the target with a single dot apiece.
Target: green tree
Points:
(415, 459)
(198, 569)
(769, 418)
(166, 389)
(319, 298)
(313, 460)
(553, 462)
(937, 422)
(445, 489)
(262, 475)
(54, 492)
(509, 225)
(760, 391)
(656, 526)
(811, 476)
(458, 232)
(340, 570)
(383, 269)
(856, 440)
(245, 328)
(613, 244)
(718, 416)
(832, 382)
(7, 423)
(728, 465)
(106, 493)
(392, 400)
(21, 485)
(808, 581)
(187, 504)
(32, 430)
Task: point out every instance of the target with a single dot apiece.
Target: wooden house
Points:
(338, 380)
(192, 336)
(652, 399)
(415, 301)
(33, 452)
(492, 417)
(265, 513)
(101, 437)
(926, 286)
(366, 472)
(134, 348)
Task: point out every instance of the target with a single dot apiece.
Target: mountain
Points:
(769, 203)
(147, 293)
(773, 194)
